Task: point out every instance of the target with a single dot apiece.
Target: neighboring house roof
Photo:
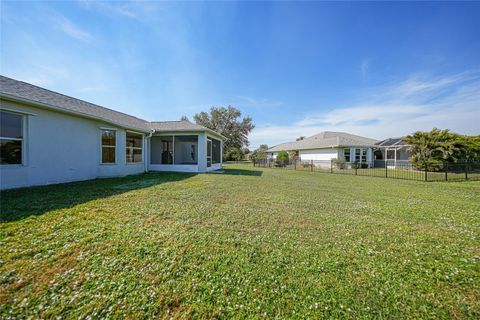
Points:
(391, 143)
(326, 139)
(20, 91)
(286, 146)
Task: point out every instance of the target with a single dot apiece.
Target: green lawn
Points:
(249, 243)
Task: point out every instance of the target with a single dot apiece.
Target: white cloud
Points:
(364, 68)
(70, 29)
(254, 102)
(451, 102)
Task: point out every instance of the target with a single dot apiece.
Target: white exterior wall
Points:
(318, 154)
(61, 148)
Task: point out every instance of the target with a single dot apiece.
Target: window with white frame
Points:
(11, 138)
(364, 155)
(360, 155)
(134, 150)
(346, 154)
(109, 140)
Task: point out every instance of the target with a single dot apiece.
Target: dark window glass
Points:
(108, 146)
(133, 147)
(134, 140)
(346, 155)
(134, 155)
(357, 155)
(10, 151)
(11, 125)
(108, 138)
(108, 155)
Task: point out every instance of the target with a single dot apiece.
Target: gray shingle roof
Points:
(25, 91)
(181, 125)
(326, 139)
(19, 90)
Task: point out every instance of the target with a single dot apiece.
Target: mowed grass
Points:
(249, 243)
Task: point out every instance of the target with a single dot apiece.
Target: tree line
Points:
(437, 147)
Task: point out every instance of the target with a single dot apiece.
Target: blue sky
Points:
(378, 69)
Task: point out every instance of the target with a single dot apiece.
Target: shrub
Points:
(282, 159)
(340, 163)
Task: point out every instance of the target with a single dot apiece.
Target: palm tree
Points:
(448, 145)
(422, 146)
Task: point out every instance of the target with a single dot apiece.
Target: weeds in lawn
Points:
(244, 244)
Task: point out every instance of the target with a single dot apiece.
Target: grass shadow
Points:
(18, 204)
(242, 172)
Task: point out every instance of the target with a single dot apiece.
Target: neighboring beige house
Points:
(325, 146)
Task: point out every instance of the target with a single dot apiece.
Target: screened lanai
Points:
(391, 152)
(174, 150)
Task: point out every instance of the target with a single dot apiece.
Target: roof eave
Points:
(218, 135)
(71, 112)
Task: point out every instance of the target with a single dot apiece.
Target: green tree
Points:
(263, 147)
(260, 152)
(301, 138)
(235, 154)
(422, 146)
(437, 146)
(469, 148)
(447, 145)
(227, 121)
(282, 155)
(282, 159)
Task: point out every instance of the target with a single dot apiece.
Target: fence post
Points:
(426, 172)
(466, 171)
(331, 165)
(311, 165)
(446, 171)
(294, 164)
(356, 168)
(386, 168)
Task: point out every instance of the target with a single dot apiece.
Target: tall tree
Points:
(227, 121)
(436, 146)
(422, 146)
(184, 118)
(263, 147)
(447, 145)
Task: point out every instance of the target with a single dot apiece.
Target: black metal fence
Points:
(380, 168)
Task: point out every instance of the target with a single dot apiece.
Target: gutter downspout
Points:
(148, 149)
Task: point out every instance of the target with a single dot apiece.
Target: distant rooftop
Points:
(391, 142)
(326, 139)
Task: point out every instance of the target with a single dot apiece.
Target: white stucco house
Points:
(47, 137)
(325, 146)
